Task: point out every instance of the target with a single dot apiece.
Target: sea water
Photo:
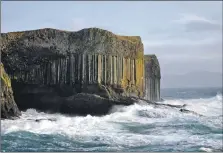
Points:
(138, 127)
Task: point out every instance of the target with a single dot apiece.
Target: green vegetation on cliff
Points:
(4, 77)
(9, 108)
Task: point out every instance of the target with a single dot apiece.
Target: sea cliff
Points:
(9, 108)
(54, 70)
(152, 78)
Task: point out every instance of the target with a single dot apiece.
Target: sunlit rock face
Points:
(9, 108)
(91, 61)
(152, 78)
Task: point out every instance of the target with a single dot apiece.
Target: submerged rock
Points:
(43, 119)
(189, 111)
(9, 108)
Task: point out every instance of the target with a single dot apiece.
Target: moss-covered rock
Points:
(50, 56)
(9, 108)
(86, 60)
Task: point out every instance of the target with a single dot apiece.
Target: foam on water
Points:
(208, 107)
(139, 125)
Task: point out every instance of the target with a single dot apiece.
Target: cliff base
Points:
(66, 100)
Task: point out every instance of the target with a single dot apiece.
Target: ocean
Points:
(138, 127)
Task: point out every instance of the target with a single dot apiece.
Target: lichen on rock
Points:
(92, 61)
(88, 56)
(9, 108)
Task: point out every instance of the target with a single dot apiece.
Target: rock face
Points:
(9, 108)
(61, 63)
(152, 78)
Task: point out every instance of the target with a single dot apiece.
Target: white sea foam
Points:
(208, 107)
(206, 149)
(132, 126)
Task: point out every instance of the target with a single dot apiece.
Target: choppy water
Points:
(132, 128)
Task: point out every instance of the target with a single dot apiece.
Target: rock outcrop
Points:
(152, 78)
(60, 63)
(9, 108)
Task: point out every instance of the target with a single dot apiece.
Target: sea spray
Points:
(138, 127)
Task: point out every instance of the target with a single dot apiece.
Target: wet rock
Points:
(183, 110)
(43, 119)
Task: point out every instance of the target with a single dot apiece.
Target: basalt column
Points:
(83, 60)
(152, 78)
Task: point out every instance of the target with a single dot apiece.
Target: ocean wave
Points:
(132, 126)
(208, 107)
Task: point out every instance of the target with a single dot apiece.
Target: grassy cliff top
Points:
(133, 39)
(89, 40)
(18, 34)
(4, 77)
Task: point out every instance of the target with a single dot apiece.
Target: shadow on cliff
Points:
(64, 99)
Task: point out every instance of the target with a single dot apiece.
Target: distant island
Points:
(80, 73)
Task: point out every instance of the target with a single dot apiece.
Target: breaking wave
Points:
(138, 127)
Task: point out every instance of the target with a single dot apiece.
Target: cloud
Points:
(179, 42)
(189, 43)
(187, 53)
(187, 18)
(189, 30)
(197, 23)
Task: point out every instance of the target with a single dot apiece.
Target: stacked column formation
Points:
(152, 78)
(87, 69)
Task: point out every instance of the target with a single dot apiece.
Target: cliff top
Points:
(18, 34)
(152, 65)
(90, 40)
(150, 57)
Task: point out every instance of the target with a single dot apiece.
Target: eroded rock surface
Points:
(59, 64)
(152, 78)
(9, 108)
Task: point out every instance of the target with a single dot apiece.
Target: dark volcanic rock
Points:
(61, 71)
(78, 104)
(9, 108)
(53, 99)
(84, 104)
(80, 59)
(152, 78)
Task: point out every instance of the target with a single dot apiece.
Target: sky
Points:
(186, 36)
